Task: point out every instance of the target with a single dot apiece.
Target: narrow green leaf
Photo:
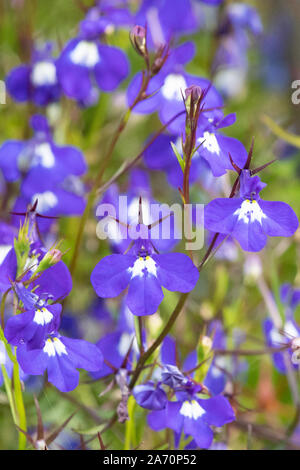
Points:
(281, 133)
(179, 157)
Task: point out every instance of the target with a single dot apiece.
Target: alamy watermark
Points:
(296, 94)
(130, 221)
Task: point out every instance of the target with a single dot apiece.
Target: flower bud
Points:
(194, 91)
(193, 96)
(22, 246)
(51, 258)
(138, 39)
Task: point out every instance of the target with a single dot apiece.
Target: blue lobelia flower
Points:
(61, 357)
(56, 281)
(48, 172)
(145, 272)
(39, 158)
(36, 82)
(248, 218)
(193, 416)
(211, 157)
(215, 147)
(190, 413)
(86, 64)
(168, 88)
(38, 319)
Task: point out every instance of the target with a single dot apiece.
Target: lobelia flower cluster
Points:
(43, 181)
(179, 402)
(40, 280)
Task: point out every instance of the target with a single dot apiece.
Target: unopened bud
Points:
(194, 92)
(193, 97)
(22, 246)
(138, 39)
(55, 256)
(51, 258)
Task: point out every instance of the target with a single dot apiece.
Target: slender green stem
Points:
(130, 425)
(15, 399)
(9, 393)
(20, 406)
(129, 164)
(143, 358)
(2, 306)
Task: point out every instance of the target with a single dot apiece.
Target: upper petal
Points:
(18, 83)
(111, 275)
(218, 411)
(112, 68)
(219, 214)
(280, 221)
(176, 272)
(82, 354)
(33, 361)
(9, 155)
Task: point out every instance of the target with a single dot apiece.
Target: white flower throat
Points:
(46, 200)
(250, 212)
(85, 53)
(142, 264)
(173, 87)
(43, 73)
(53, 347)
(42, 316)
(43, 156)
(191, 409)
(209, 142)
